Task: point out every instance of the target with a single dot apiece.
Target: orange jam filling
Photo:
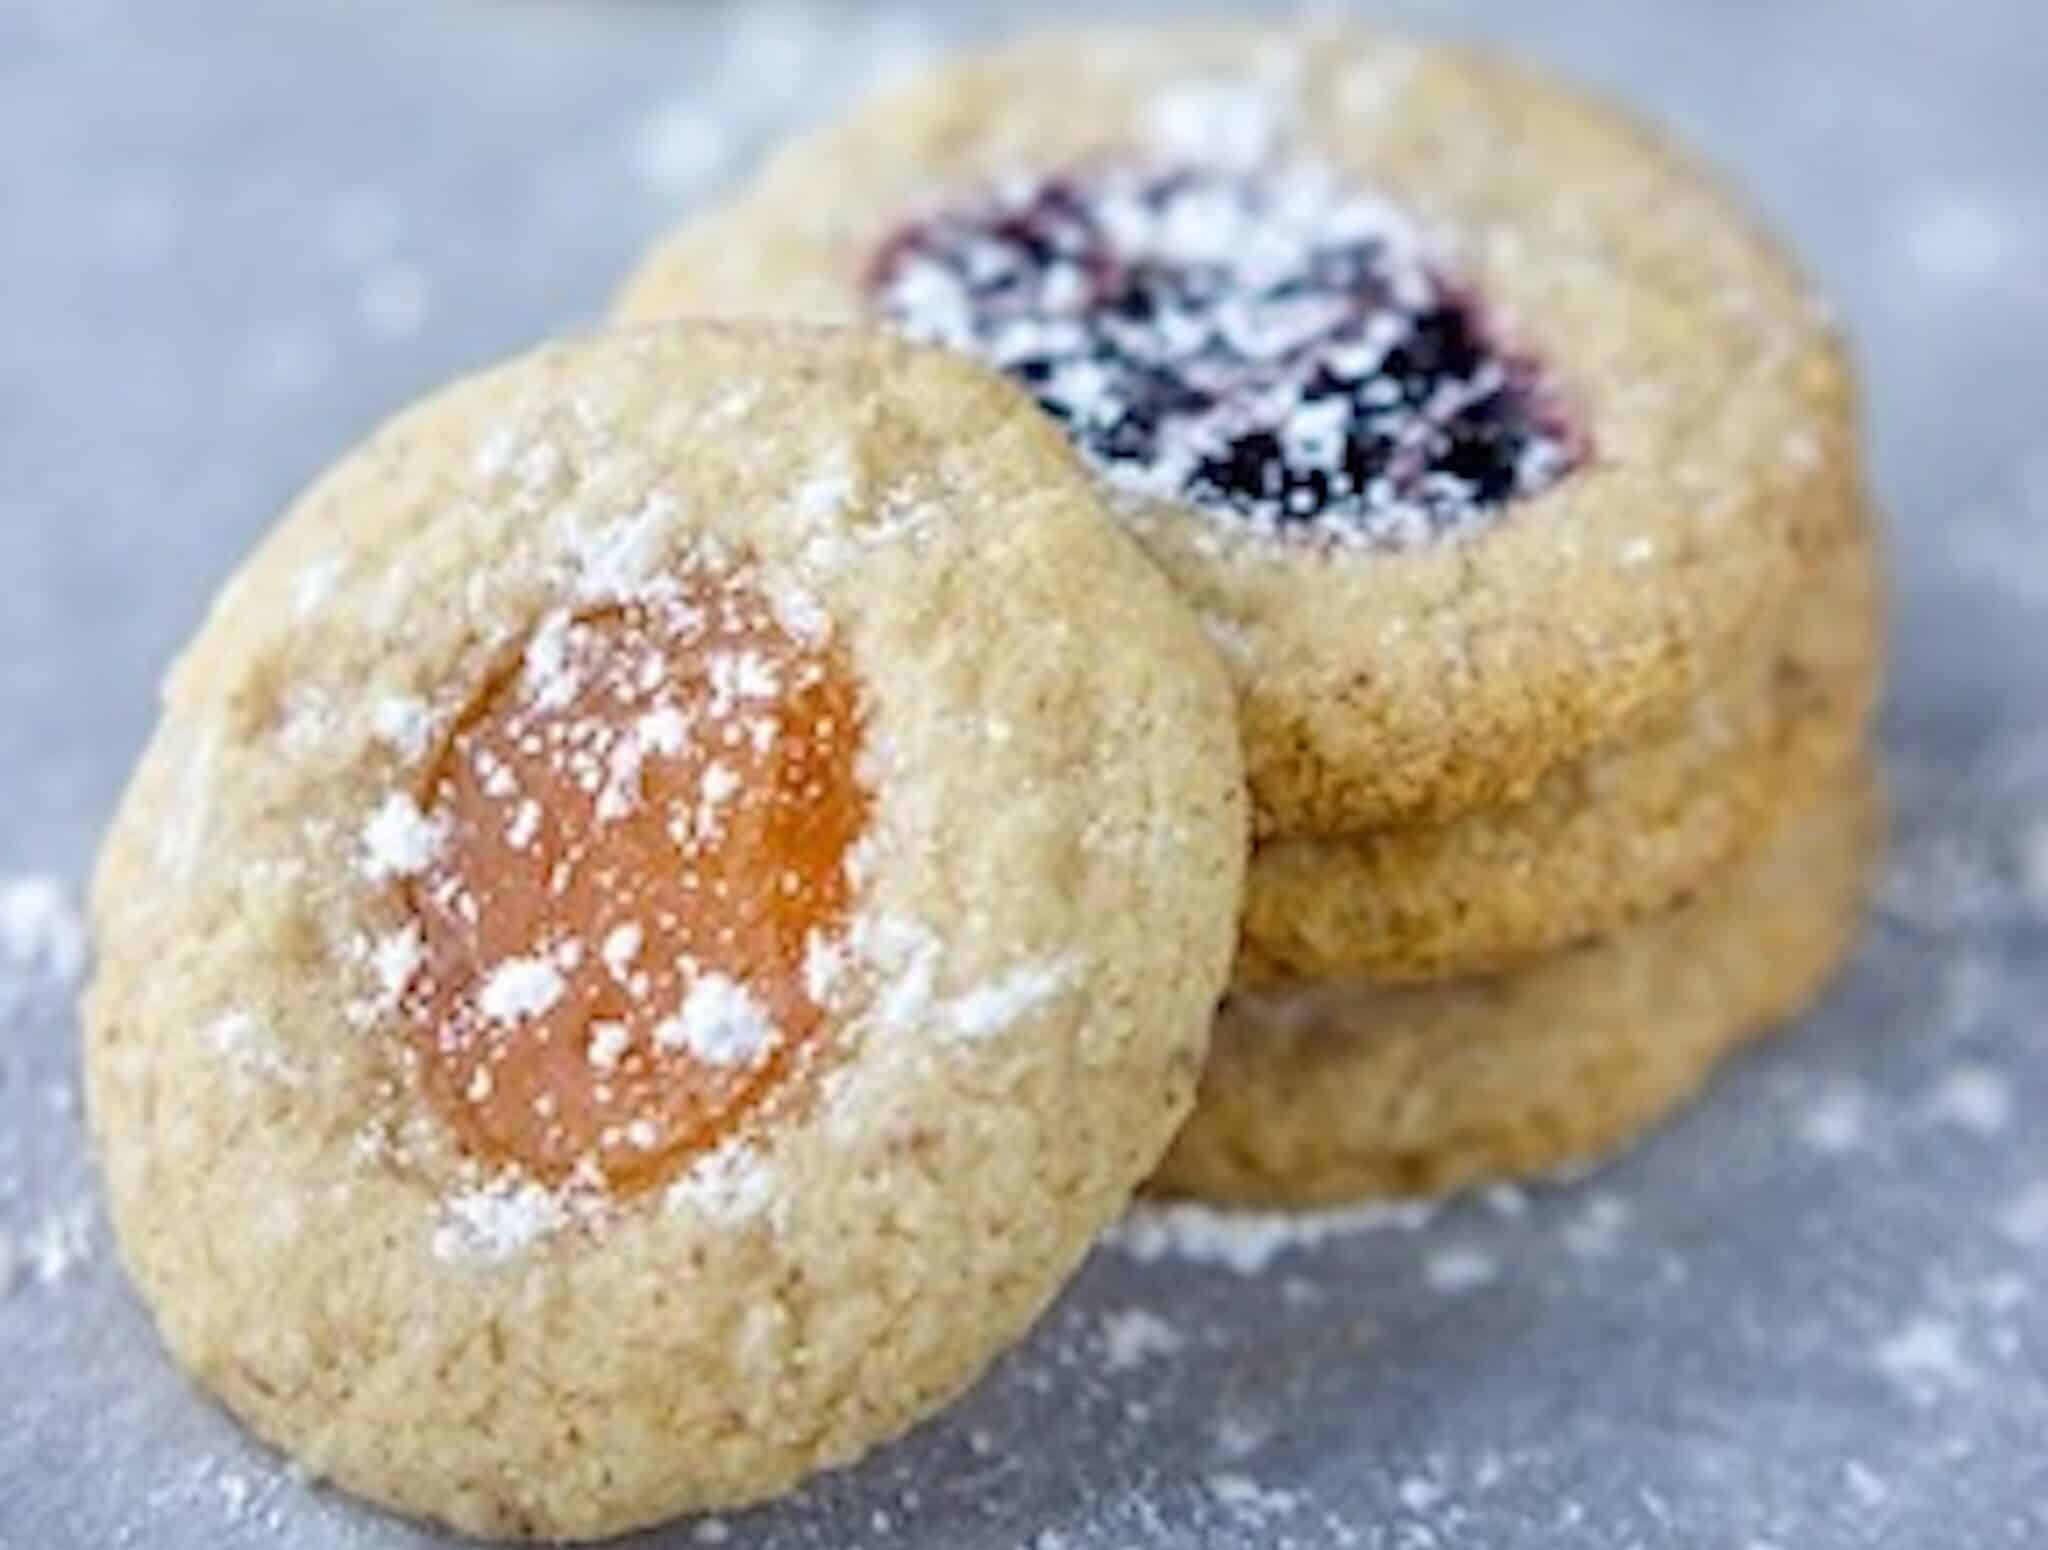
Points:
(644, 826)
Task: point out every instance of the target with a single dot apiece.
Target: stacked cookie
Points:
(692, 874)
(675, 895)
(1512, 472)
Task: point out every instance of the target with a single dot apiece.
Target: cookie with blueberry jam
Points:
(673, 897)
(1481, 429)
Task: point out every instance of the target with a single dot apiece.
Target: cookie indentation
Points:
(642, 826)
(1264, 344)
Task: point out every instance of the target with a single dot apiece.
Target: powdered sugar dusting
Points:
(1133, 1336)
(720, 1023)
(602, 825)
(498, 1221)
(316, 583)
(617, 560)
(1925, 1357)
(1834, 1122)
(250, 1048)
(1974, 1098)
(1266, 343)
(1459, 1269)
(1249, 1242)
(730, 1185)
(404, 723)
(990, 1009)
(1226, 123)
(399, 840)
(520, 989)
(42, 934)
(395, 958)
(59, 1243)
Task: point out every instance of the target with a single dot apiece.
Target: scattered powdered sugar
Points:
(830, 488)
(250, 1048)
(826, 961)
(545, 672)
(395, 958)
(720, 1023)
(903, 956)
(990, 1009)
(404, 723)
(1925, 1357)
(1248, 1242)
(1833, 1122)
(1974, 1098)
(621, 946)
(1266, 342)
(902, 959)
(42, 934)
(800, 613)
(308, 721)
(399, 840)
(1506, 1199)
(609, 1042)
(58, 1244)
(498, 1221)
(1133, 1336)
(1595, 1232)
(616, 561)
(1250, 1500)
(1224, 123)
(316, 583)
(730, 1184)
(520, 989)
(1459, 1269)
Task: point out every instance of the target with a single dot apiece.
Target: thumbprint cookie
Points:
(1333, 1091)
(673, 896)
(1605, 841)
(1480, 427)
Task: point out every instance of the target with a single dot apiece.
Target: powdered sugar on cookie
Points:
(1239, 329)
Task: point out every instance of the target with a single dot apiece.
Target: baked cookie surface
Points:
(1601, 843)
(1336, 1092)
(673, 897)
(1479, 426)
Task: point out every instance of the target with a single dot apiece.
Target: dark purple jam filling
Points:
(1264, 344)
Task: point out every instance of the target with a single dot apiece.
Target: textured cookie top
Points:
(677, 850)
(1263, 343)
(1481, 427)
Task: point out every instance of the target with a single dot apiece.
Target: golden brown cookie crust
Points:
(1339, 1093)
(1047, 892)
(1601, 843)
(1384, 687)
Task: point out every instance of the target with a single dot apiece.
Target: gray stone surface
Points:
(1810, 1315)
